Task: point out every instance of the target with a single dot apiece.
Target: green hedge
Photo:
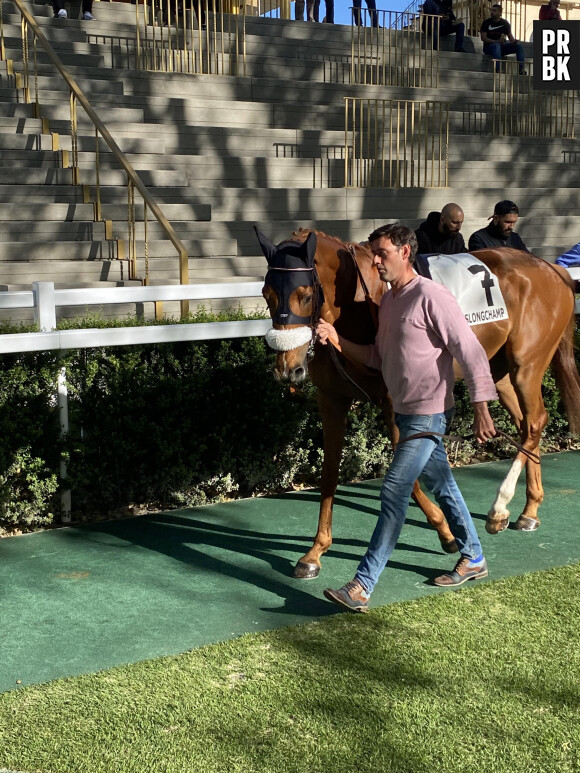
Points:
(177, 424)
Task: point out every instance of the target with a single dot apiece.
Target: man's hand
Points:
(502, 40)
(326, 332)
(483, 427)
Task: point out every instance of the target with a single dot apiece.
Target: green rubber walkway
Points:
(78, 600)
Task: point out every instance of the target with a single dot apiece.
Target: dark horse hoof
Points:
(527, 524)
(450, 547)
(497, 525)
(305, 571)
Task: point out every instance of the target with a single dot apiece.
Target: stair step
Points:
(115, 177)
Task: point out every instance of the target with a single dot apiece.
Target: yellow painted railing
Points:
(519, 110)
(189, 36)
(390, 48)
(395, 143)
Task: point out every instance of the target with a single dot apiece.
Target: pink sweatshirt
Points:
(421, 330)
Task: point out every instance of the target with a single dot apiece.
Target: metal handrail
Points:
(519, 110)
(394, 53)
(134, 181)
(396, 143)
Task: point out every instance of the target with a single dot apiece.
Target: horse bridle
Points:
(283, 314)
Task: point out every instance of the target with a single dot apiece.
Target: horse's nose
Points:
(297, 374)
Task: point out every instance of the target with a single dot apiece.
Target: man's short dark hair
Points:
(496, 5)
(506, 207)
(399, 235)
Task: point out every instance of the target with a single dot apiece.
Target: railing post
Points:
(45, 316)
(62, 401)
(44, 306)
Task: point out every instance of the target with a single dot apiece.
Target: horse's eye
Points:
(308, 300)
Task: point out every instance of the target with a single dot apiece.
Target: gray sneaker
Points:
(351, 596)
(62, 14)
(88, 16)
(464, 570)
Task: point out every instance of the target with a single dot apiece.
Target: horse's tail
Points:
(567, 376)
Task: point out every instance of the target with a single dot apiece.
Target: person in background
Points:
(498, 41)
(313, 11)
(448, 23)
(550, 11)
(441, 232)
(500, 232)
(60, 10)
(357, 12)
(421, 331)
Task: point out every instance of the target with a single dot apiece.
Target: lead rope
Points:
(334, 356)
(458, 438)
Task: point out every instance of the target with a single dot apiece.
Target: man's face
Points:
(451, 223)
(505, 223)
(388, 258)
(495, 13)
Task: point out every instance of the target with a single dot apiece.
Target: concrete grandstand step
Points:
(174, 212)
(46, 211)
(35, 231)
(64, 271)
(255, 172)
(115, 177)
(80, 250)
(535, 174)
(248, 265)
(212, 249)
(69, 58)
(497, 148)
(60, 111)
(84, 143)
(41, 193)
(75, 285)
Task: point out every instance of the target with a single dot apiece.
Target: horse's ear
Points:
(268, 248)
(310, 249)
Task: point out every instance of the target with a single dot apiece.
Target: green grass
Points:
(482, 679)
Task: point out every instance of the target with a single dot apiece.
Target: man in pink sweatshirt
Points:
(421, 331)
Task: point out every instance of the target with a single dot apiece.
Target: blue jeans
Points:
(422, 458)
(499, 51)
(448, 28)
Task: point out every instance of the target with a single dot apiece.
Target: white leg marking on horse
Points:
(507, 490)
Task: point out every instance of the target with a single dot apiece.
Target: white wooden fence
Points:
(44, 300)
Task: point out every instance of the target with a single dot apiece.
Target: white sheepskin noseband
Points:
(285, 340)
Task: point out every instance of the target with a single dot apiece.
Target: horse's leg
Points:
(333, 410)
(533, 424)
(433, 512)
(499, 515)
(435, 518)
(530, 422)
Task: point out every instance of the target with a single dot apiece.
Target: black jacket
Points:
(430, 240)
(492, 237)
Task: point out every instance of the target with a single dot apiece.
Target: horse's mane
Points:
(302, 234)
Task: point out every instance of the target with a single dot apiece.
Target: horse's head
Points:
(291, 290)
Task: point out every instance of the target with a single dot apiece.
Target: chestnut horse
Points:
(314, 275)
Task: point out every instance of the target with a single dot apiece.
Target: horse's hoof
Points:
(305, 571)
(450, 546)
(496, 525)
(524, 523)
